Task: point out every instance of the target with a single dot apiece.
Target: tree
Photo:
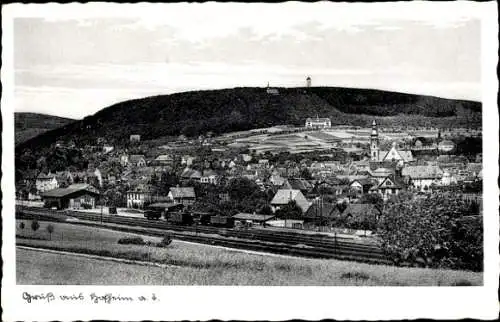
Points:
(242, 188)
(439, 231)
(266, 210)
(114, 197)
(50, 230)
(341, 206)
(305, 174)
(167, 180)
(372, 198)
(35, 225)
(21, 225)
(290, 211)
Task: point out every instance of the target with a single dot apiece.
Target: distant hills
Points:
(219, 111)
(29, 125)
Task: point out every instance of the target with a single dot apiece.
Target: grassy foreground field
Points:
(194, 264)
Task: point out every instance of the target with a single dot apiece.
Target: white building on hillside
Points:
(318, 122)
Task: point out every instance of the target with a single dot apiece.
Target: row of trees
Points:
(35, 226)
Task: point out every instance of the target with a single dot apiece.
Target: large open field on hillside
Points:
(293, 143)
(194, 264)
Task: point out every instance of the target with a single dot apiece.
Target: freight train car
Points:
(222, 221)
(157, 210)
(181, 218)
(202, 218)
(152, 214)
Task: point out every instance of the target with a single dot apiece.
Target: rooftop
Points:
(422, 172)
(62, 192)
(254, 217)
(182, 192)
(317, 119)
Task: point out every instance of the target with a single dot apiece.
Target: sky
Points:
(73, 65)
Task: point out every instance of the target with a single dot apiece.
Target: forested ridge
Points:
(29, 125)
(219, 111)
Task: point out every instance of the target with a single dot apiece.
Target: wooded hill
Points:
(218, 111)
(29, 125)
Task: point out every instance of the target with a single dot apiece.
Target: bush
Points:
(21, 225)
(167, 240)
(462, 283)
(35, 225)
(131, 241)
(441, 231)
(355, 275)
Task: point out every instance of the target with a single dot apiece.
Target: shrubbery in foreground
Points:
(440, 231)
(131, 241)
(167, 239)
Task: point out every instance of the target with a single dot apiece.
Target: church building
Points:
(394, 154)
(374, 143)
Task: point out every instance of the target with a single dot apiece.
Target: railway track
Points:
(255, 239)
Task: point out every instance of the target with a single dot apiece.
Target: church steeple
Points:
(374, 147)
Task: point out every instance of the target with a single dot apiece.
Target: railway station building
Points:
(76, 196)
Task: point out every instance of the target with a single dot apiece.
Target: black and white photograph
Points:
(290, 147)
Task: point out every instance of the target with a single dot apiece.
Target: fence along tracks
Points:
(285, 243)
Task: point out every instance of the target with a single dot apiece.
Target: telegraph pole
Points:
(321, 212)
(102, 199)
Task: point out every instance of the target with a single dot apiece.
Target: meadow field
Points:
(196, 264)
(293, 143)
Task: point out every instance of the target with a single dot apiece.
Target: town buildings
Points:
(344, 174)
(387, 187)
(135, 138)
(138, 197)
(446, 146)
(210, 177)
(422, 177)
(45, 182)
(182, 195)
(394, 154)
